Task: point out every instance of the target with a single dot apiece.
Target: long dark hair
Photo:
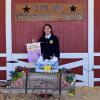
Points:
(43, 33)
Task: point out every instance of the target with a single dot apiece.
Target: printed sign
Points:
(48, 12)
(34, 52)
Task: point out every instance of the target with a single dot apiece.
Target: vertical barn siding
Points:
(2, 61)
(2, 27)
(97, 25)
(2, 39)
(97, 38)
(3, 75)
(72, 34)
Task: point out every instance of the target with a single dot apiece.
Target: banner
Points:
(34, 52)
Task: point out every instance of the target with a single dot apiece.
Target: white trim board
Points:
(3, 68)
(2, 54)
(97, 79)
(91, 41)
(8, 36)
(96, 66)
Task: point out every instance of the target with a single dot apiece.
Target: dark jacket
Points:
(50, 47)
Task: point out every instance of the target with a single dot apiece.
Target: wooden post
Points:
(26, 82)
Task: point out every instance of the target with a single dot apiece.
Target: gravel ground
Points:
(82, 93)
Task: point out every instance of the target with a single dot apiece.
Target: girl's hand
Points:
(33, 40)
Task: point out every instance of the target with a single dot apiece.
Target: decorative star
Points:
(73, 8)
(26, 9)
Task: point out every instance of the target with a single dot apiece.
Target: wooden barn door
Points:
(72, 34)
(74, 37)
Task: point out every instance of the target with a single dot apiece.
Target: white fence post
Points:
(91, 41)
(8, 36)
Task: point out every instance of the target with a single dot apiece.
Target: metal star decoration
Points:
(26, 9)
(73, 8)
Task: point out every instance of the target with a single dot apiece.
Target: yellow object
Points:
(47, 68)
(71, 92)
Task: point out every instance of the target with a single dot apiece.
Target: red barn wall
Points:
(72, 34)
(2, 27)
(69, 32)
(97, 38)
(2, 39)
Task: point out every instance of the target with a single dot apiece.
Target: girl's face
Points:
(47, 30)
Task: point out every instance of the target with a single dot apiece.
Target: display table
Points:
(43, 81)
(44, 84)
(47, 83)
